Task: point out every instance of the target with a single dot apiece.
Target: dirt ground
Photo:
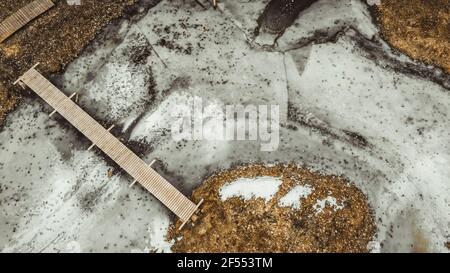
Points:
(418, 28)
(235, 225)
(54, 39)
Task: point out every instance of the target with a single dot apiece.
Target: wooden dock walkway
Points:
(111, 146)
(22, 17)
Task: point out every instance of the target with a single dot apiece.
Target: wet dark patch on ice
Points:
(320, 36)
(324, 128)
(374, 51)
(139, 54)
(356, 139)
(89, 200)
(179, 83)
(281, 14)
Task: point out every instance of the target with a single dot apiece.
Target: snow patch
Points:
(330, 201)
(374, 247)
(293, 197)
(248, 188)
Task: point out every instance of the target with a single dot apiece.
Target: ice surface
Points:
(345, 112)
(56, 196)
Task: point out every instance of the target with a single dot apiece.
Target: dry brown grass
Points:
(235, 225)
(419, 28)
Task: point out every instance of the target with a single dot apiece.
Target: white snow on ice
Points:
(248, 188)
(328, 201)
(294, 196)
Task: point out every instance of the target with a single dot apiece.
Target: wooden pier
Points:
(22, 17)
(110, 145)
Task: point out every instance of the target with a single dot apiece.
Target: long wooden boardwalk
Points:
(22, 17)
(110, 145)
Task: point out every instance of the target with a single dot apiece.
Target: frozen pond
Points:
(348, 104)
